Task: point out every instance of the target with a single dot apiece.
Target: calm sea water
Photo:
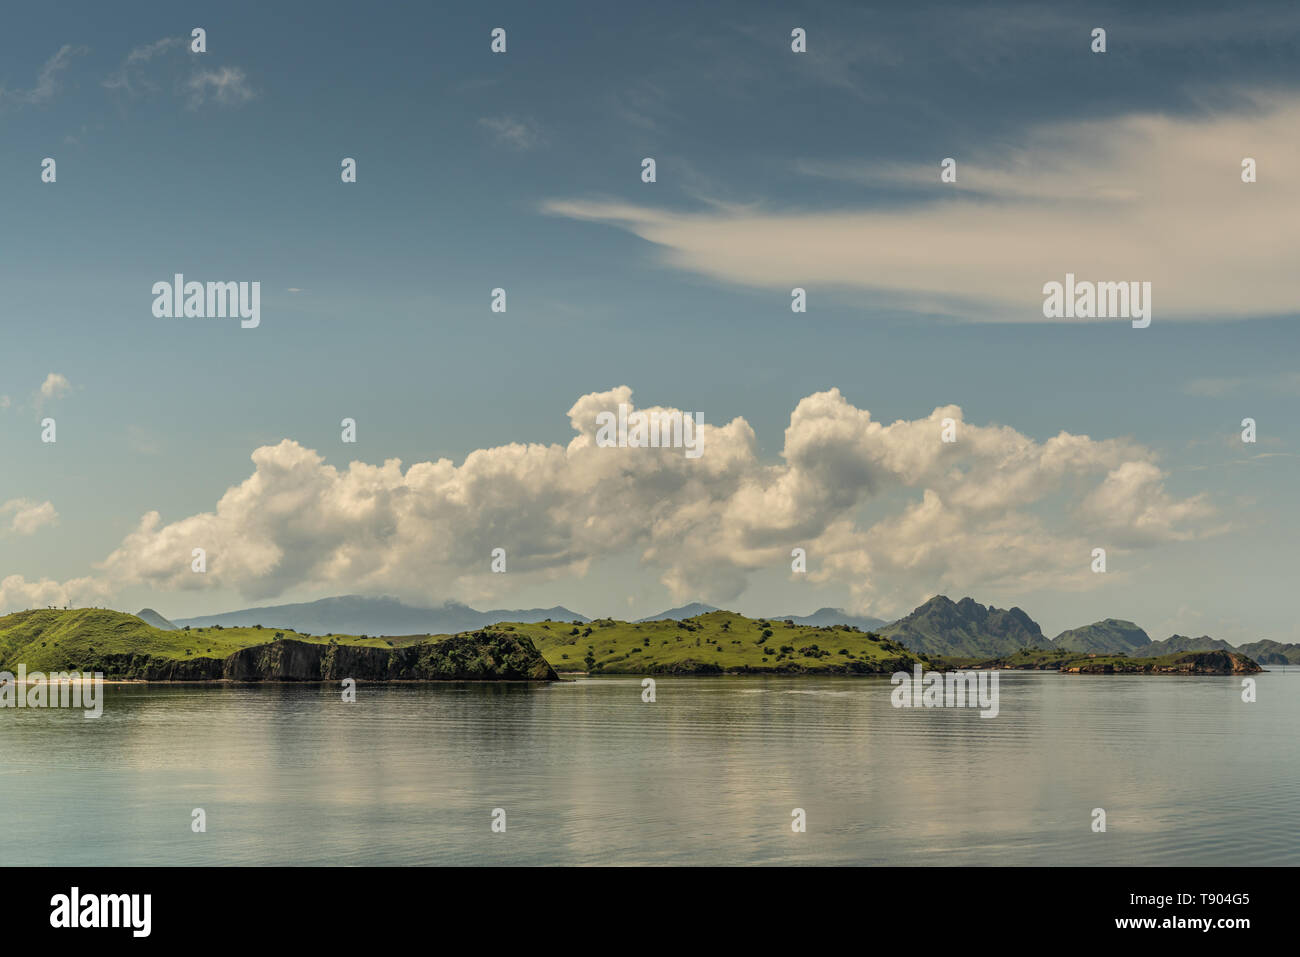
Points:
(708, 774)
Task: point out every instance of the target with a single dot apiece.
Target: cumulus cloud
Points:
(17, 593)
(1144, 197)
(26, 516)
(888, 509)
(55, 386)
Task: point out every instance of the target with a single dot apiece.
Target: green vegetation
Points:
(1071, 662)
(1185, 663)
(1026, 659)
(719, 642)
(123, 646)
(714, 643)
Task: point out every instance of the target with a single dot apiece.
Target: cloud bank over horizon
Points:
(889, 510)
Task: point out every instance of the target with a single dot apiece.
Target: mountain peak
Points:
(966, 628)
(151, 617)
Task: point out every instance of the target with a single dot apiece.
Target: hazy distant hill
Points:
(1182, 643)
(822, 617)
(681, 613)
(965, 628)
(151, 617)
(1269, 652)
(1111, 637)
(355, 615)
(1123, 637)
(1106, 637)
(835, 616)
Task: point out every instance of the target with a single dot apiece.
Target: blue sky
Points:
(522, 170)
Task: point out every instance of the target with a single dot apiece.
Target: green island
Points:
(124, 647)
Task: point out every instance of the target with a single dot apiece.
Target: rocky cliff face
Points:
(480, 656)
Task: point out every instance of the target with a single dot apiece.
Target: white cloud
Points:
(1139, 198)
(28, 516)
(994, 507)
(55, 386)
(17, 593)
(226, 85)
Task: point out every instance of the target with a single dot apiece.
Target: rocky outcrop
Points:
(966, 629)
(479, 656)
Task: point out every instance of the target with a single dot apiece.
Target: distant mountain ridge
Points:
(822, 617)
(1182, 643)
(939, 627)
(835, 616)
(357, 615)
(680, 613)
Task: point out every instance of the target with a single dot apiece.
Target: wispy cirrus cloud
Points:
(47, 80)
(1143, 197)
(512, 132)
(226, 85)
(132, 76)
(168, 64)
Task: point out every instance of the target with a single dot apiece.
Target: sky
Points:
(522, 170)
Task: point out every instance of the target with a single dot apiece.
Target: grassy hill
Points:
(54, 640)
(712, 643)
